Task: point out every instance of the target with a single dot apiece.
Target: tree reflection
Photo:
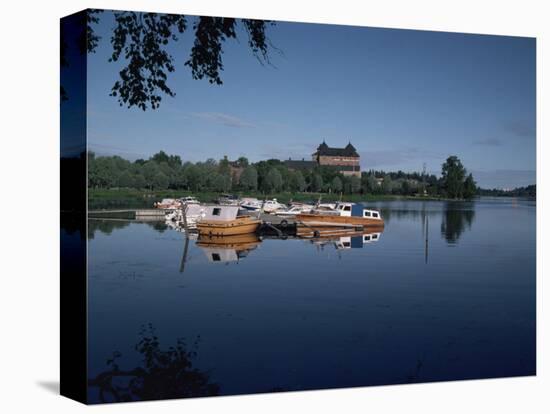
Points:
(164, 373)
(107, 226)
(456, 219)
(104, 226)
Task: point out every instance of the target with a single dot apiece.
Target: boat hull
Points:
(228, 228)
(334, 220)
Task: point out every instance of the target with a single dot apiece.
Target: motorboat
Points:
(226, 221)
(193, 213)
(168, 204)
(251, 204)
(189, 200)
(343, 214)
(294, 210)
(271, 206)
(228, 200)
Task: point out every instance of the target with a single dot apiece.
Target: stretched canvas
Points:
(254, 206)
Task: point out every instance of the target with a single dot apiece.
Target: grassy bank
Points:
(131, 198)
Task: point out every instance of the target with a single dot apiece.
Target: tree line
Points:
(163, 171)
(527, 191)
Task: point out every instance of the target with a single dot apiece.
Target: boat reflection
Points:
(344, 240)
(228, 248)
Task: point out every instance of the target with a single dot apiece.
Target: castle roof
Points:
(300, 164)
(348, 151)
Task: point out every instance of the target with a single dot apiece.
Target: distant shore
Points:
(131, 198)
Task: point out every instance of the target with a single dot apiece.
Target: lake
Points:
(446, 292)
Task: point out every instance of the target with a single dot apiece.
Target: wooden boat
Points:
(344, 214)
(226, 221)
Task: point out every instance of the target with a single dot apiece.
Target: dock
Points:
(272, 225)
(151, 214)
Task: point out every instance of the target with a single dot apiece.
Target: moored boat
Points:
(226, 221)
(251, 204)
(294, 210)
(344, 213)
(270, 206)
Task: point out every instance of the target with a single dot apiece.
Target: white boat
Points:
(168, 204)
(193, 213)
(342, 214)
(270, 206)
(251, 204)
(293, 210)
(327, 206)
(228, 200)
(189, 200)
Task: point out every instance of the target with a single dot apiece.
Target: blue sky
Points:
(403, 98)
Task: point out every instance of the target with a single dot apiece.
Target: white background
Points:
(29, 159)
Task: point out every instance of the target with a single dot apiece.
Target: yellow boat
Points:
(226, 221)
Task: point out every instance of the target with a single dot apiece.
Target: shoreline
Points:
(130, 198)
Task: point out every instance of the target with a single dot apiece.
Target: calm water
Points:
(447, 292)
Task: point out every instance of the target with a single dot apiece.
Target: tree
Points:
(336, 184)
(160, 181)
(297, 181)
(125, 180)
(387, 184)
(317, 183)
(242, 162)
(355, 184)
(249, 178)
(224, 167)
(139, 181)
(141, 41)
(192, 177)
(273, 181)
(470, 187)
(452, 177)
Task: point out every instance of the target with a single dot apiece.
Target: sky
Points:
(403, 98)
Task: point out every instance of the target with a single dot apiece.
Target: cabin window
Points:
(367, 213)
(217, 211)
(347, 208)
(367, 238)
(216, 257)
(374, 236)
(346, 244)
(375, 215)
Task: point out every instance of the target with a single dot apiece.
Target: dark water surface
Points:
(447, 292)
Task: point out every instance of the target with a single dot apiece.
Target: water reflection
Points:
(347, 240)
(229, 248)
(162, 374)
(455, 221)
(107, 226)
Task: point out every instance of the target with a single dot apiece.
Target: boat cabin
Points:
(356, 210)
(220, 213)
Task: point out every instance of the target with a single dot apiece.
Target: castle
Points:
(344, 160)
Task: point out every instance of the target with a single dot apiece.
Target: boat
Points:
(193, 213)
(168, 204)
(351, 214)
(271, 206)
(189, 200)
(251, 204)
(294, 210)
(228, 200)
(226, 221)
(229, 248)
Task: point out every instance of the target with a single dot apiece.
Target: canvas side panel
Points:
(73, 313)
